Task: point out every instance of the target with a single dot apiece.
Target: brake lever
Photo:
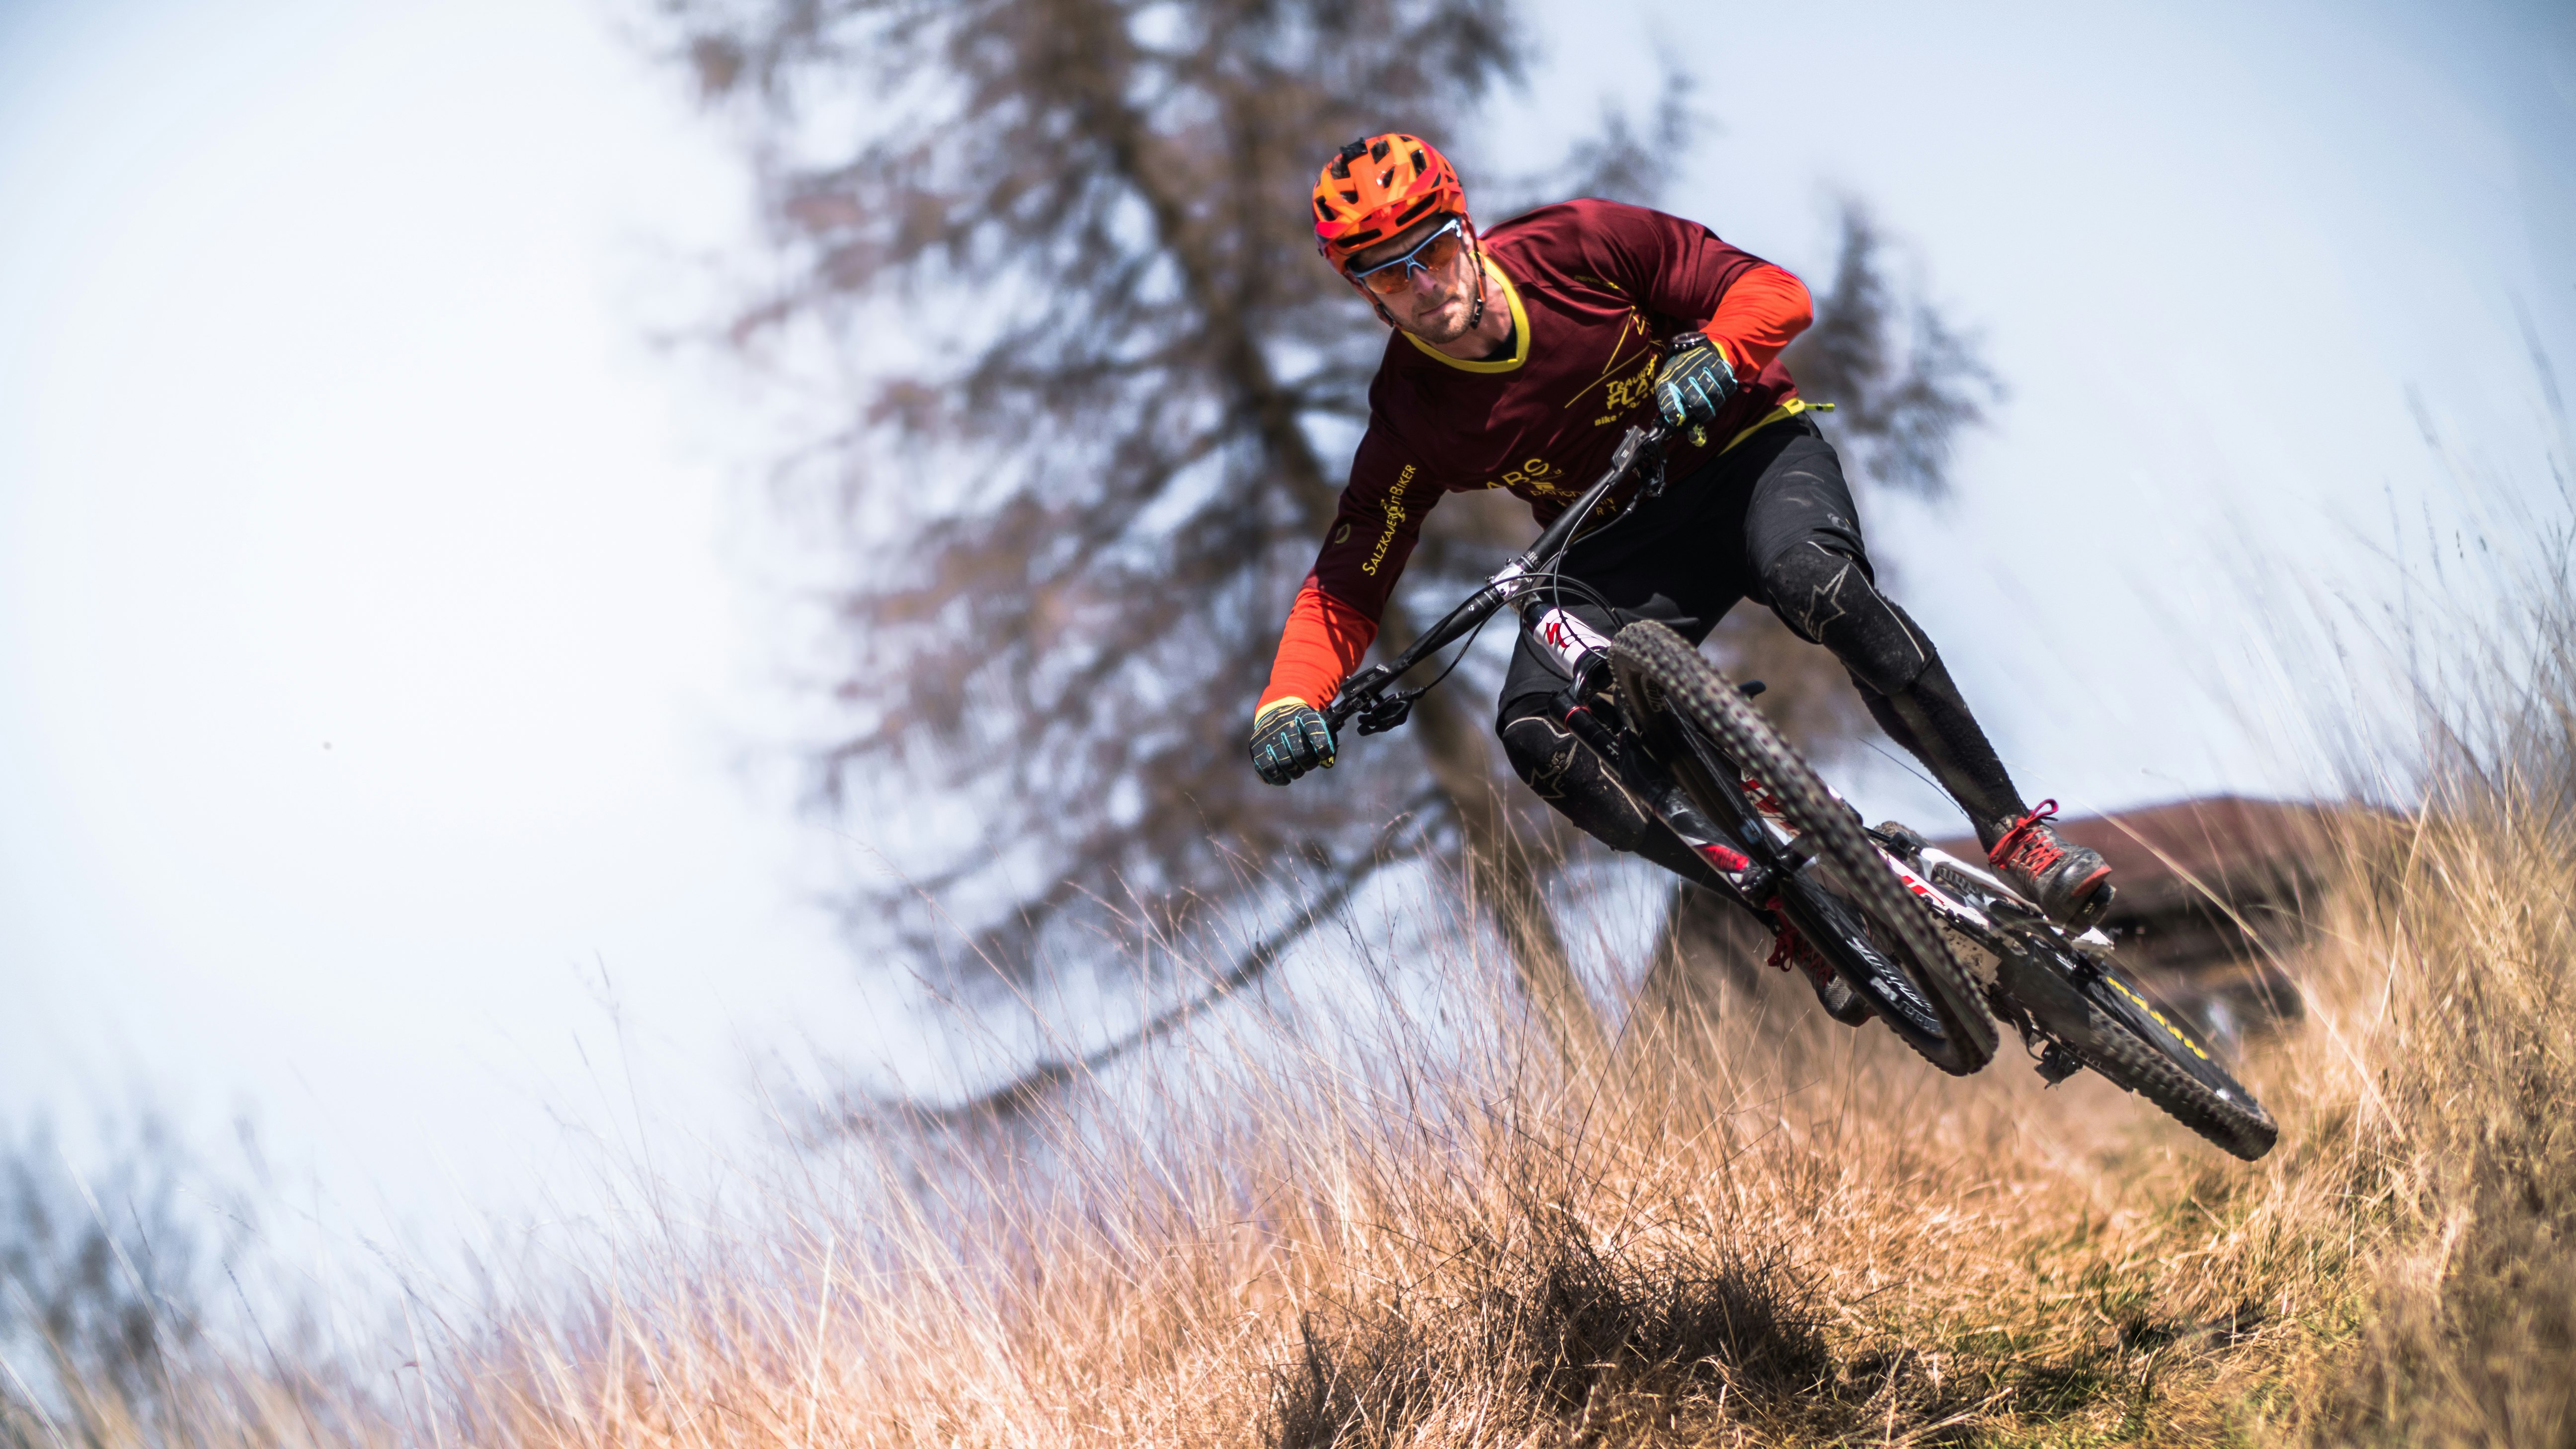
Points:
(1652, 484)
(1358, 696)
(1387, 712)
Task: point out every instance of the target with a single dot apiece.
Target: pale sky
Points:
(2209, 248)
(381, 634)
(374, 666)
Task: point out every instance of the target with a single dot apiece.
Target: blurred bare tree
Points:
(124, 1317)
(1104, 391)
(1904, 384)
(101, 1285)
(1136, 373)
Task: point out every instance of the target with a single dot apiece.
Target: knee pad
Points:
(1826, 597)
(1562, 770)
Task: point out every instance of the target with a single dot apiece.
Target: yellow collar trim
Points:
(1520, 332)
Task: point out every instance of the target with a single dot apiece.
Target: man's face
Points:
(1434, 304)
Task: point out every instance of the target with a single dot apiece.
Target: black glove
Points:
(1288, 739)
(1694, 383)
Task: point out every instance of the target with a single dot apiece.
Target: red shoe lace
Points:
(2029, 845)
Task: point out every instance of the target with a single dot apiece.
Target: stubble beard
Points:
(1445, 324)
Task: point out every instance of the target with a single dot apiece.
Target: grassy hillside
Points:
(1755, 1228)
(1762, 1229)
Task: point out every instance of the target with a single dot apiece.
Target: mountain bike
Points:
(1938, 948)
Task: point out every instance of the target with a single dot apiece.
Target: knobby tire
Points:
(2129, 1041)
(1702, 698)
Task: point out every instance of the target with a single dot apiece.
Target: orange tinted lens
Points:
(1434, 254)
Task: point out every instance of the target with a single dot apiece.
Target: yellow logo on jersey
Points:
(1622, 394)
(1627, 392)
(1538, 474)
(1395, 516)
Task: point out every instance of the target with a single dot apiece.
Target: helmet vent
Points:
(1404, 180)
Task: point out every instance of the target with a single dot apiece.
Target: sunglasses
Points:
(1429, 255)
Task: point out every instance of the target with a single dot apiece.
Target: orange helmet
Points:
(1378, 186)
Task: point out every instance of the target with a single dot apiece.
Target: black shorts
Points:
(1686, 557)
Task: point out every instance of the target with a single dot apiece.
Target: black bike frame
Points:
(2039, 977)
(1742, 860)
(1529, 572)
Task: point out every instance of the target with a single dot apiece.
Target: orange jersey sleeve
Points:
(1758, 315)
(1324, 641)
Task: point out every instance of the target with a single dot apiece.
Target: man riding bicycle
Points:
(1519, 358)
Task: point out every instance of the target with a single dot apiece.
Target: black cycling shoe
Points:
(2071, 884)
(1832, 992)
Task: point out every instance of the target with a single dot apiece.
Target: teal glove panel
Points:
(1288, 742)
(1694, 383)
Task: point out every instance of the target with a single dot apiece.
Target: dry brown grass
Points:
(1379, 1221)
(1760, 1229)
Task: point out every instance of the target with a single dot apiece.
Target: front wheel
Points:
(1839, 892)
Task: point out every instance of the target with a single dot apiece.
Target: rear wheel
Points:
(2128, 1039)
(1841, 896)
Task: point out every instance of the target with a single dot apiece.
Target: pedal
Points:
(2095, 907)
(2057, 1064)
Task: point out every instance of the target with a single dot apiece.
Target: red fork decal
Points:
(1725, 859)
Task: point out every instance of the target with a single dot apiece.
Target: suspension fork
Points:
(1651, 781)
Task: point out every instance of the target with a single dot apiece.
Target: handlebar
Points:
(1364, 694)
(1553, 540)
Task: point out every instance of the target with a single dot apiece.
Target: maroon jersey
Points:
(1594, 287)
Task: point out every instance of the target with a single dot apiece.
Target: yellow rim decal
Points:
(2122, 987)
